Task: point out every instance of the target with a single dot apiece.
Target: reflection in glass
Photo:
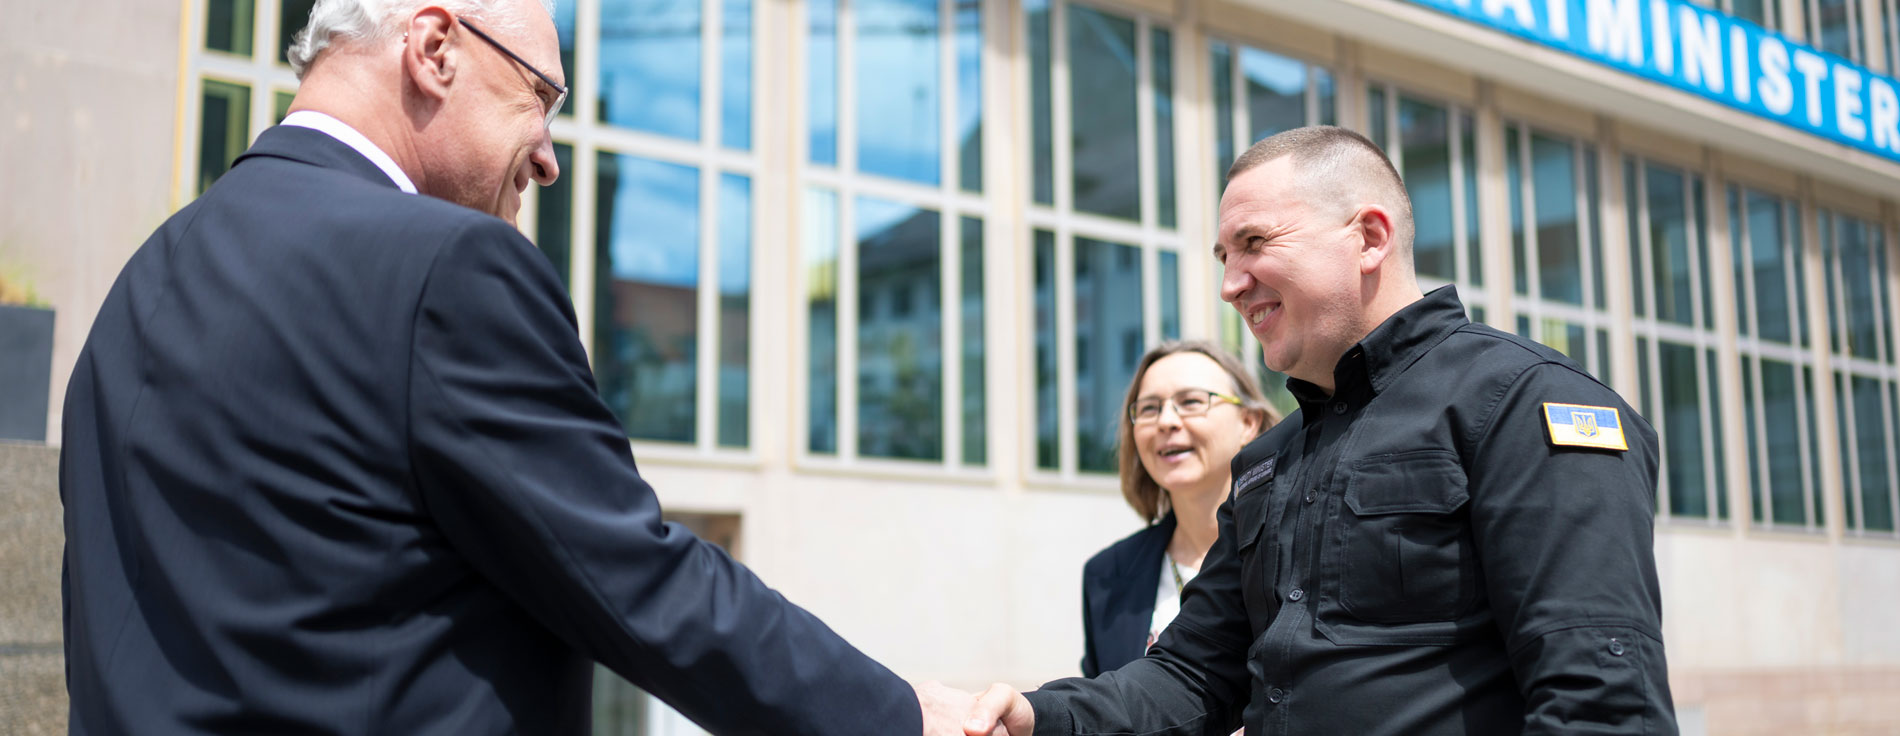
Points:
(1717, 447)
(1163, 51)
(735, 308)
(1776, 315)
(1376, 119)
(1170, 295)
(564, 31)
(1048, 409)
(822, 92)
(1425, 135)
(1108, 344)
(1041, 112)
(1844, 427)
(1222, 64)
(1669, 246)
(230, 25)
(1787, 497)
(1602, 371)
(970, 95)
(1594, 205)
(1326, 95)
(292, 16)
(649, 65)
(821, 293)
(1682, 427)
(1567, 338)
(224, 129)
(1632, 202)
(554, 216)
(975, 397)
(646, 332)
(1276, 92)
(900, 331)
(1514, 182)
(1102, 113)
(1836, 29)
(1753, 11)
(1559, 249)
(1854, 243)
(280, 105)
(1468, 159)
(735, 71)
(1870, 437)
(898, 95)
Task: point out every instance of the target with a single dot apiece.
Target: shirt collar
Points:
(1383, 354)
(348, 136)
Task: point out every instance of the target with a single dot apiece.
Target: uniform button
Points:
(1339, 407)
(1312, 496)
(1616, 648)
(1298, 594)
(1276, 695)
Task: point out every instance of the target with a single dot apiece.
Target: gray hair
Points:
(370, 20)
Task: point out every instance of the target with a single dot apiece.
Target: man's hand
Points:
(945, 710)
(1001, 711)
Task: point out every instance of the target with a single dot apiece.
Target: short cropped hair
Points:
(1341, 165)
(359, 20)
(1140, 488)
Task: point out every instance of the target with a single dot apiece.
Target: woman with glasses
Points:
(1190, 407)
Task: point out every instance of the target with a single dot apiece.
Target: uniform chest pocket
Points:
(1405, 553)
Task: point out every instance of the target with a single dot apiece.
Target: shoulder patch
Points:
(1578, 425)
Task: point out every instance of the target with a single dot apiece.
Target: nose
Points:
(1170, 415)
(543, 166)
(1234, 281)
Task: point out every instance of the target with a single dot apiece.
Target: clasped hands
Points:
(999, 711)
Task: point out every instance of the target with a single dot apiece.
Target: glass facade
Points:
(893, 231)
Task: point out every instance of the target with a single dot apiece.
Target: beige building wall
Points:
(90, 112)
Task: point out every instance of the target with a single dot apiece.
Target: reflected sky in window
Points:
(900, 331)
(899, 95)
(1276, 92)
(1102, 80)
(649, 65)
(647, 337)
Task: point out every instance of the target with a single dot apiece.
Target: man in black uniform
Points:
(1453, 535)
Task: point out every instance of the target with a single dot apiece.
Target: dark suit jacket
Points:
(1118, 597)
(335, 463)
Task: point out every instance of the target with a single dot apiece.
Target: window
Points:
(240, 91)
(1675, 340)
(1105, 249)
(1764, 13)
(1556, 249)
(1834, 26)
(1258, 93)
(892, 241)
(1860, 339)
(1777, 366)
(651, 69)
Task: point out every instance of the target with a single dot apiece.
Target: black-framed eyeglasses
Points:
(560, 90)
(1191, 402)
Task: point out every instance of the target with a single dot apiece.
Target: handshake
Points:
(999, 711)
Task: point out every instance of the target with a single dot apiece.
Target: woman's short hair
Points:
(1140, 488)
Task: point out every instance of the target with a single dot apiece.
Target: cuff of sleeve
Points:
(1052, 715)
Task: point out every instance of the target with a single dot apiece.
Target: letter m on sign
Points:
(1616, 29)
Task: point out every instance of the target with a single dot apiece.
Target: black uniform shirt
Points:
(1436, 548)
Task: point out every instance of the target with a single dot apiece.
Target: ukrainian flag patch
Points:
(1577, 425)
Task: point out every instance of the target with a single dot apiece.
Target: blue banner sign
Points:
(1716, 56)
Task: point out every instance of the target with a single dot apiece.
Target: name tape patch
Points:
(1255, 474)
(1578, 425)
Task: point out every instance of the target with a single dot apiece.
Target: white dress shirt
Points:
(343, 132)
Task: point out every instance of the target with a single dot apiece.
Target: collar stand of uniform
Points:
(1405, 336)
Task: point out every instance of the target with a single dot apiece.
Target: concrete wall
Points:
(32, 673)
(90, 94)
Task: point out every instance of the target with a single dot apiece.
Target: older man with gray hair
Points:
(334, 461)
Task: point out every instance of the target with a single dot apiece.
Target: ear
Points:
(426, 57)
(1377, 242)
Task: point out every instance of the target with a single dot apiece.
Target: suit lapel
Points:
(316, 148)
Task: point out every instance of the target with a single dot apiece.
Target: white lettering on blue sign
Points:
(1712, 55)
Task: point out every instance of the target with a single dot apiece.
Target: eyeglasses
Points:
(560, 91)
(1191, 402)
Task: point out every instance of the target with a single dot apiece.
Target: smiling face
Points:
(1190, 455)
(1292, 267)
(496, 140)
